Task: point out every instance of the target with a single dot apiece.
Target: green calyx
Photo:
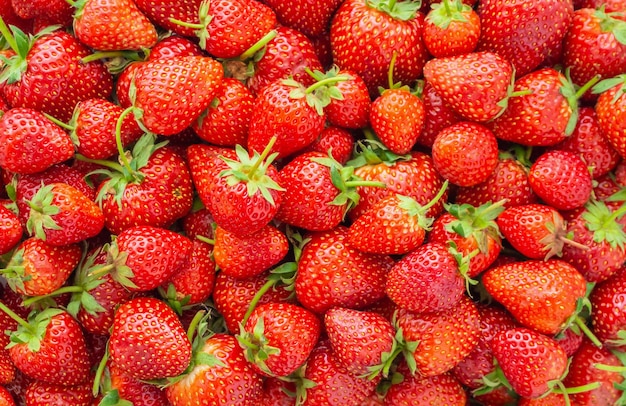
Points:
(256, 346)
(399, 346)
(606, 84)
(572, 94)
(603, 222)
(444, 13)
(117, 268)
(201, 28)
(41, 212)
(322, 92)
(399, 10)
(252, 171)
(371, 152)
(609, 23)
(478, 222)
(32, 331)
(14, 272)
(414, 209)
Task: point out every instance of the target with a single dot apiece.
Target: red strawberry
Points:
(312, 18)
(473, 84)
(173, 46)
(414, 389)
(561, 179)
(148, 340)
(194, 282)
(24, 153)
(60, 214)
(365, 36)
(611, 111)
(353, 109)
(8, 371)
(334, 141)
(199, 223)
(397, 118)
(11, 230)
(119, 386)
(529, 360)
(249, 256)
(10, 17)
(36, 345)
(113, 25)
(278, 337)
(56, 11)
(451, 28)
(228, 379)
(36, 77)
(610, 5)
(528, 34)
(40, 393)
(38, 268)
(439, 115)
(541, 295)
(465, 153)
(331, 273)
(608, 317)
(444, 338)
(5, 397)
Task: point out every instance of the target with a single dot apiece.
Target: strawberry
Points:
(312, 18)
(33, 76)
(528, 34)
(194, 282)
(24, 153)
(173, 46)
(334, 141)
(397, 118)
(40, 393)
(352, 110)
(474, 84)
(118, 386)
(529, 360)
(439, 389)
(611, 110)
(395, 224)
(608, 318)
(362, 341)
(542, 295)
(228, 378)
(38, 268)
(60, 214)
(331, 273)
(610, 5)
(7, 368)
(451, 28)
(227, 119)
(439, 115)
(251, 255)
(35, 346)
(365, 35)
(465, 153)
(55, 11)
(148, 340)
(10, 17)
(148, 255)
(93, 128)
(277, 338)
(113, 25)
(5, 397)
(561, 179)
(537, 231)
(11, 230)
(595, 45)
(444, 338)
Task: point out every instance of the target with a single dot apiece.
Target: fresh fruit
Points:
(451, 28)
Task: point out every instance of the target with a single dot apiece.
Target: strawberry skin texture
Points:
(179, 88)
(609, 309)
(42, 394)
(612, 116)
(311, 17)
(54, 63)
(148, 340)
(233, 382)
(541, 295)
(10, 229)
(135, 391)
(441, 389)
(197, 278)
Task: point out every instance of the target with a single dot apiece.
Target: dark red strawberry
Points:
(439, 115)
(608, 317)
(310, 17)
(194, 282)
(40, 393)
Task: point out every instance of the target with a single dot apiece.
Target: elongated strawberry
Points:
(21, 152)
(148, 340)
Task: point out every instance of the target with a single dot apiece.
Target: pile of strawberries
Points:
(357, 202)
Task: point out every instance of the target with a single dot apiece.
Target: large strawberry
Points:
(365, 35)
(523, 33)
(46, 74)
(148, 340)
(611, 110)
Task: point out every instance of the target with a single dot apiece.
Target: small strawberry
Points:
(55, 11)
(451, 28)
(148, 340)
(611, 110)
(5, 397)
(352, 110)
(117, 386)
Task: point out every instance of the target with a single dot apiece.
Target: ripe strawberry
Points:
(395, 224)
(194, 282)
(31, 143)
(561, 179)
(60, 214)
(362, 341)
(610, 5)
(36, 76)
(353, 109)
(589, 142)
(148, 340)
(331, 273)
(93, 128)
(113, 25)
(37, 343)
(414, 389)
(55, 11)
(426, 279)
(365, 36)
(246, 257)
(10, 229)
(397, 118)
(529, 360)
(8, 371)
(148, 255)
(40, 393)
(312, 18)
(227, 119)
(444, 338)
(541, 295)
(5, 397)
(199, 223)
(278, 337)
(334, 141)
(451, 28)
(465, 153)
(474, 84)
(228, 379)
(10, 17)
(439, 115)
(528, 34)
(594, 46)
(608, 317)
(611, 111)
(38, 268)
(118, 386)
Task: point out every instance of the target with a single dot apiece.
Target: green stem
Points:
(8, 36)
(264, 154)
(364, 183)
(435, 199)
(193, 326)
(610, 368)
(103, 270)
(96, 56)
(109, 164)
(16, 317)
(258, 45)
(392, 65)
(58, 292)
(195, 26)
(325, 82)
(583, 89)
(95, 388)
(206, 240)
(118, 138)
(583, 327)
(59, 122)
(255, 299)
